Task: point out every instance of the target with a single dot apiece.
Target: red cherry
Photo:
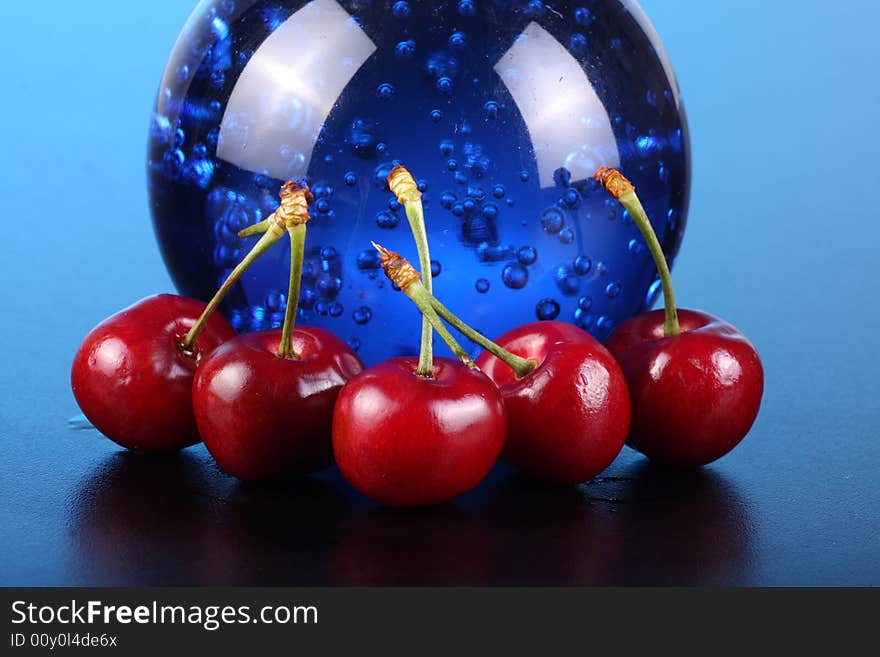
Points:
(695, 395)
(695, 381)
(406, 440)
(569, 417)
(132, 378)
(263, 416)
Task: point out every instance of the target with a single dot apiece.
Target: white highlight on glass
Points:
(287, 89)
(567, 122)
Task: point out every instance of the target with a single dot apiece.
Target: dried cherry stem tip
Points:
(400, 272)
(292, 212)
(404, 187)
(397, 268)
(625, 193)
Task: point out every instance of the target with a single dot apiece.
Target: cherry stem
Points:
(521, 366)
(625, 193)
(403, 185)
(424, 302)
(403, 274)
(270, 236)
(297, 253)
(292, 211)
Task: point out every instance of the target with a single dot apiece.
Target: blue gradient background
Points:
(784, 106)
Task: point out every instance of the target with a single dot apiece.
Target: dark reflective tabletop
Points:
(774, 245)
(167, 521)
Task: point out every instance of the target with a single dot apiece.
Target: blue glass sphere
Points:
(502, 110)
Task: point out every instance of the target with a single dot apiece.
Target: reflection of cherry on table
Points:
(177, 520)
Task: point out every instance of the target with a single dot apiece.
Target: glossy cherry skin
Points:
(264, 417)
(405, 440)
(132, 379)
(694, 395)
(569, 417)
